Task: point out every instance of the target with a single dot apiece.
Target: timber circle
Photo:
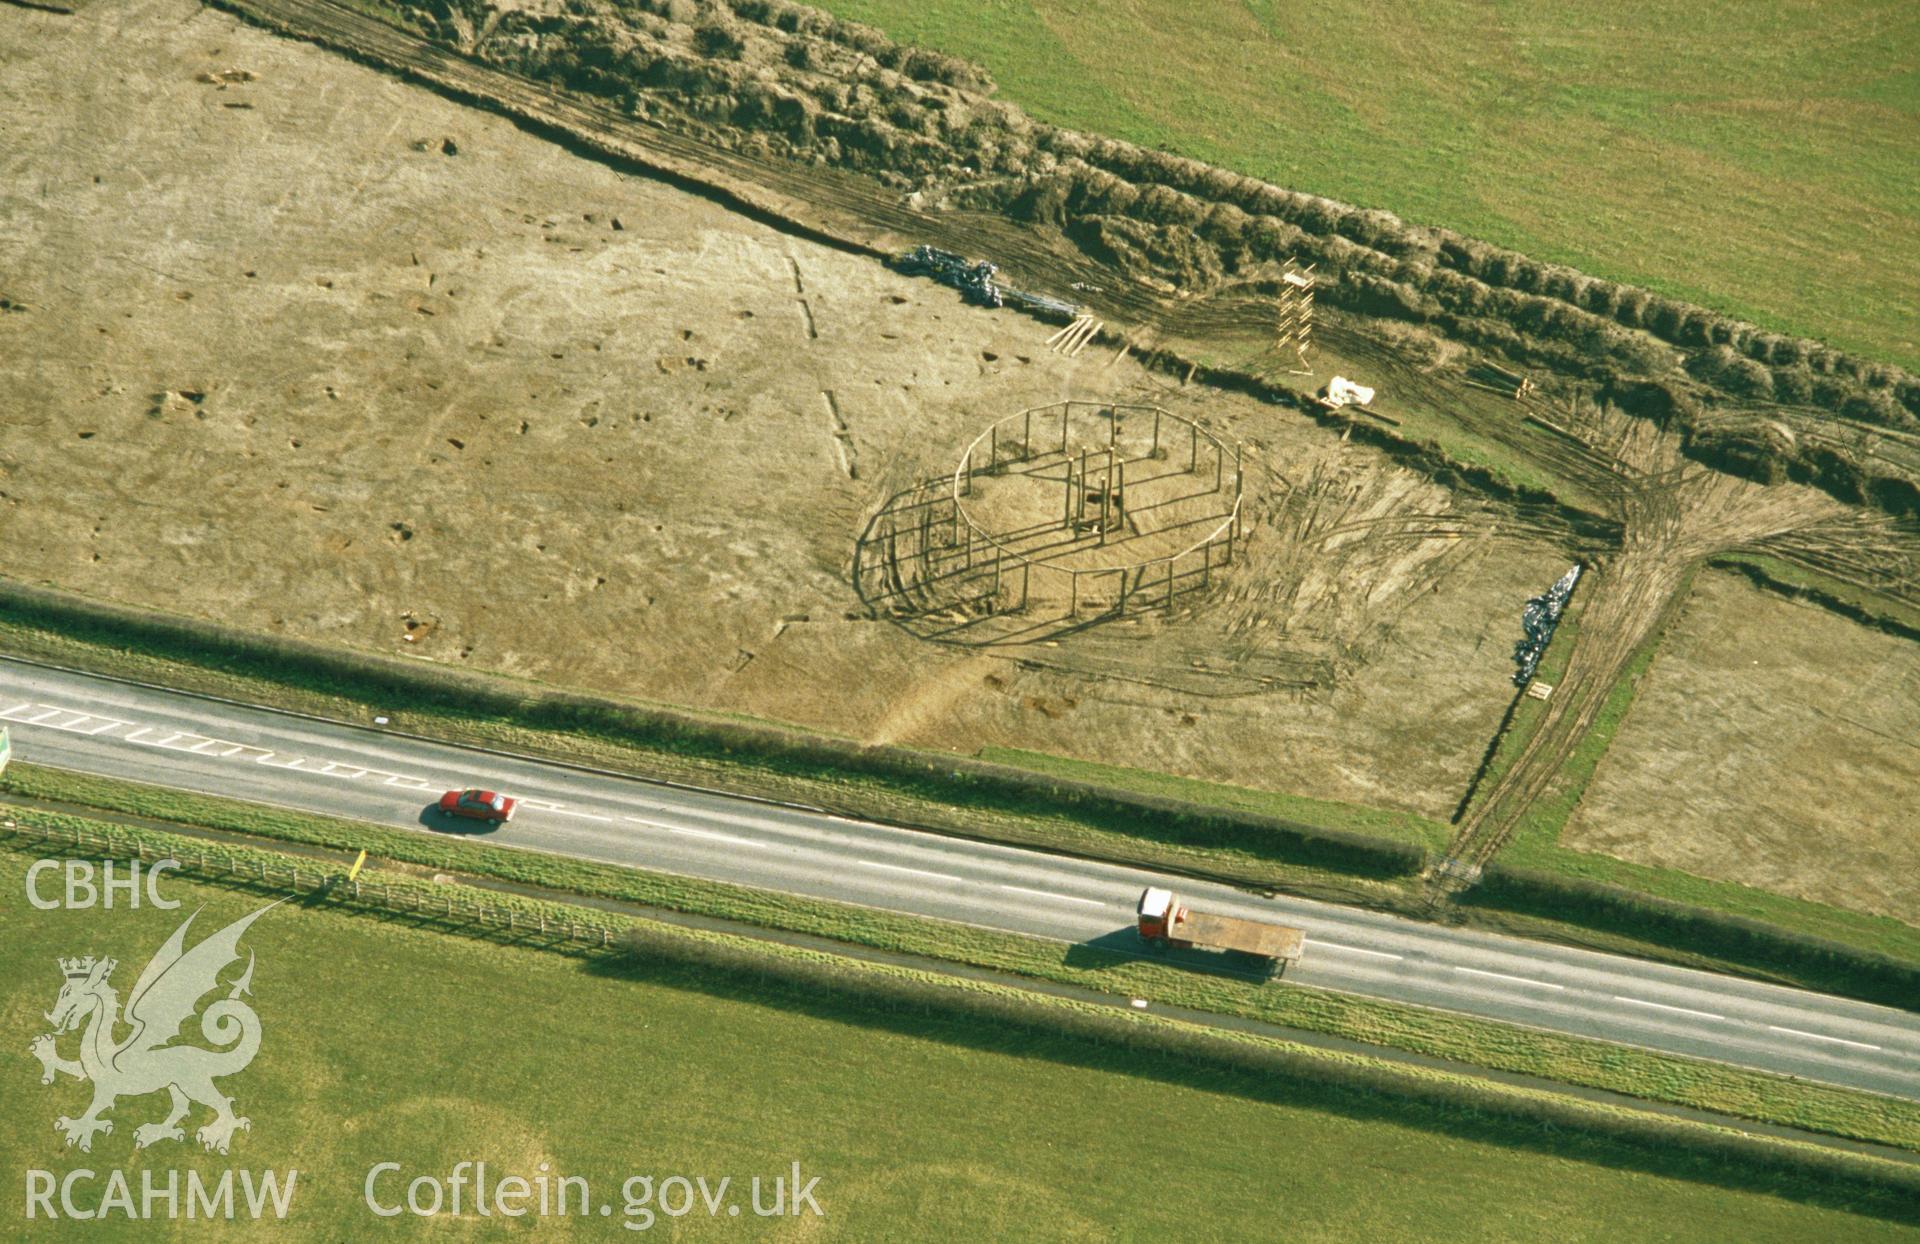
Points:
(1093, 508)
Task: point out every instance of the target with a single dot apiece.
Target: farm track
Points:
(1673, 516)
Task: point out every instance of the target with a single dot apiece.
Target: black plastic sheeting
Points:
(975, 281)
(1539, 619)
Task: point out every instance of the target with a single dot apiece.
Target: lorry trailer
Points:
(1165, 921)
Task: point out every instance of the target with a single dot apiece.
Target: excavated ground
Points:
(327, 354)
(1774, 744)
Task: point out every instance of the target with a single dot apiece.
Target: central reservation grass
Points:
(389, 1043)
(1756, 158)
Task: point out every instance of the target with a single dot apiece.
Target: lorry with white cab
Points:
(1165, 921)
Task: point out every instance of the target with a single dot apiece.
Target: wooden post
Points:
(1064, 408)
(1073, 592)
(1156, 431)
(1113, 426)
(1080, 499)
(1170, 587)
(1193, 447)
(1120, 505)
(967, 489)
(993, 449)
(1026, 437)
(1106, 497)
(1206, 563)
(1066, 505)
(1026, 569)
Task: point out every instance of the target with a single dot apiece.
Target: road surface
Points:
(145, 734)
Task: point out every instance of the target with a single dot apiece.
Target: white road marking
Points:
(76, 727)
(47, 713)
(585, 816)
(707, 833)
(165, 740)
(901, 868)
(1518, 980)
(172, 741)
(696, 833)
(1795, 1032)
(1064, 898)
(1661, 1006)
(1356, 950)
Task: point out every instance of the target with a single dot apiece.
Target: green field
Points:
(1756, 158)
(388, 1043)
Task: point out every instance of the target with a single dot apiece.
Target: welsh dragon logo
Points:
(164, 998)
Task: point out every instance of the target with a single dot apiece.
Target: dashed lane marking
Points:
(698, 833)
(1815, 1036)
(901, 868)
(1064, 898)
(1518, 980)
(1355, 950)
(1661, 1006)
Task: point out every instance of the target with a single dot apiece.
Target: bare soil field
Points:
(1672, 514)
(307, 349)
(1773, 744)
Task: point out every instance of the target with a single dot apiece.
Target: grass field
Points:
(1755, 158)
(387, 1043)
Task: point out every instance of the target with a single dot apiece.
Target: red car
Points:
(478, 805)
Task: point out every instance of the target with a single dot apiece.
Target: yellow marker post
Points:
(354, 872)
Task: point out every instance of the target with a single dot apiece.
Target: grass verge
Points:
(1382, 822)
(1650, 1076)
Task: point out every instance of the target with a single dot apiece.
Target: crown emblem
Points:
(77, 969)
